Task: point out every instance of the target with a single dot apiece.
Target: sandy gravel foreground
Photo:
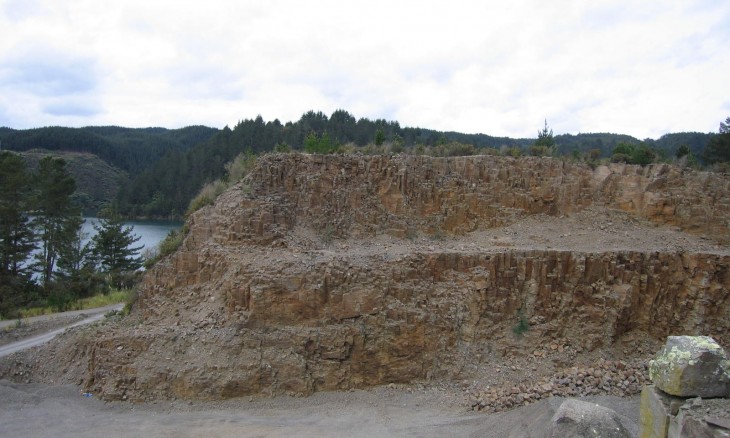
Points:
(62, 411)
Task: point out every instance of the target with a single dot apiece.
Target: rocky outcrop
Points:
(338, 272)
(364, 196)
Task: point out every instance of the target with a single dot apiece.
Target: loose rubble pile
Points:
(606, 377)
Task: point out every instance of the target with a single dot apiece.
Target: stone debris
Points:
(616, 378)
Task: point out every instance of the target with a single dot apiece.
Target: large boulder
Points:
(691, 366)
(575, 418)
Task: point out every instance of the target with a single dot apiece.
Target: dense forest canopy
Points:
(168, 167)
(129, 149)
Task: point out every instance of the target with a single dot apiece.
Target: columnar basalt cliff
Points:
(363, 196)
(335, 272)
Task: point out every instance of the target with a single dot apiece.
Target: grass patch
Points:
(169, 244)
(206, 196)
(36, 311)
(236, 170)
(113, 297)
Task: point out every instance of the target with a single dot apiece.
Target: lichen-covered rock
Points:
(691, 366)
(577, 418)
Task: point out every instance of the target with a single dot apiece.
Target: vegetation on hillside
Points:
(718, 150)
(166, 189)
(169, 168)
(97, 182)
(130, 149)
(101, 158)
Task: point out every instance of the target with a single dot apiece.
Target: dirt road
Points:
(40, 329)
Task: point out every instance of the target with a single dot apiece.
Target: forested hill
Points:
(166, 189)
(130, 149)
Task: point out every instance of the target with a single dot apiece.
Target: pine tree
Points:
(113, 249)
(379, 137)
(16, 234)
(718, 148)
(76, 262)
(53, 211)
(545, 143)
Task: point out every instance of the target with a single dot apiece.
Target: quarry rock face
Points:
(338, 272)
(367, 195)
(691, 366)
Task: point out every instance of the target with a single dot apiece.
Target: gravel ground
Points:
(62, 411)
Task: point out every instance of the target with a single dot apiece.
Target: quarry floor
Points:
(40, 410)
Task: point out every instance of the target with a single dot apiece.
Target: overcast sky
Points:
(643, 67)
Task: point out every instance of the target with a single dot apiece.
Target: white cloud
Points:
(641, 68)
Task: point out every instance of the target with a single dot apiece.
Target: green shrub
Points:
(620, 158)
(319, 145)
(130, 302)
(523, 325)
(206, 196)
(172, 241)
(540, 151)
(633, 154)
(282, 148)
(513, 151)
(169, 244)
(239, 168)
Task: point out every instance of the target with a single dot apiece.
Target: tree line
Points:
(167, 168)
(166, 189)
(130, 149)
(45, 258)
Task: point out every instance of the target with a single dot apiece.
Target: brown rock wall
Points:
(259, 299)
(362, 196)
(339, 322)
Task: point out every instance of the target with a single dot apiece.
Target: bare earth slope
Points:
(489, 273)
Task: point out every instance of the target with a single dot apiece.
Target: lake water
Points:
(151, 233)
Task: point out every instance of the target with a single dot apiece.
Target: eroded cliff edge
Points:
(336, 272)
